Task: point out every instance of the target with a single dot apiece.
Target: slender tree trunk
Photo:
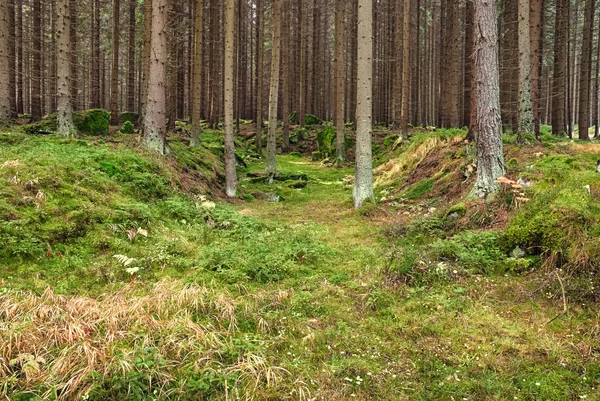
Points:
(155, 125)
(486, 122)
(559, 81)
(95, 56)
(230, 173)
(114, 82)
(271, 167)
(468, 84)
(398, 64)
(259, 72)
(51, 88)
(19, 51)
(74, 76)
(585, 77)
(36, 76)
(536, 43)
(301, 113)
(363, 180)
(285, 66)
(450, 79)
(131, 58)
(525, 121)
(596, 102)
(147, 54)
(406, 82)
(340, 78)
(12, 58)
(64, 116)
(5, 107)
(197, 75)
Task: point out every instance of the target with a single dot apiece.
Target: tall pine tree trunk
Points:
(74, 77)
(131, 58)
(114, 81)
(36, 73)
(486, 122)
(230, 173)
(363, 178)
(271, 167)
(536, 43)
(64, 116)
(585, 77)
(525, 121)
(559, 80)
(259, 73)
(154, 124)
(5, 109)
(340, 78)
(406, 82)
(196, 94)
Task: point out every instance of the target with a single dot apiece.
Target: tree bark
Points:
(96, 60)
(147, 54)
(196, 95)
(74, 76)
(301, 113)
(259, 73)
(486, 121)
(36, 73)
(230, 173)
(285, 66)
(340, 78)
(5, 109)
(585, 77)
(12, 58)
(154, 124)
(406, 82)
(131, 58)
(19, 50)
(525, 122)
(64, 115)
(559, 81)
(271, 167)
(536, 44)
(363, 180)
(114, 82)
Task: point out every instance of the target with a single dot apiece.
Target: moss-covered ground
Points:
(125, 277)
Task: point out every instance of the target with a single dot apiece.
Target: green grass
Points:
(300, 299)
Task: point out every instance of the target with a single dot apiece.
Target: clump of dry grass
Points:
(51, 343)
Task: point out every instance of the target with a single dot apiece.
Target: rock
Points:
(524, 183)
(453, 216)
(517, 253)
(272, 197)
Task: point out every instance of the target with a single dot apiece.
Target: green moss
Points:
(93, 122)
(419, 190)
(316, 156)
(311, 119)
(127, 128)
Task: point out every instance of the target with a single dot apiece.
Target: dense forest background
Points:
(109, 43)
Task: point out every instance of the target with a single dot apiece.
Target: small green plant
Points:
(127, 128)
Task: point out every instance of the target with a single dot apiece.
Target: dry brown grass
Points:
(50, 341)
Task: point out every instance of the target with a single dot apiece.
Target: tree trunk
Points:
(596, 102)
(285, 66)
(19, 50)
(12, 58)
(486, 122)
(406, 82)
(64, 117)
(398, 64)
(74, 77)
(536, 43)
(363, 180)
(301, 113)
(230, 173)
(585, 77)
(131, 58)
(114, 82)
(147, 55)
(5, 109)
(36, 73)
(154, 124)
(95, 42)
(525, 122)
(559, 81)
(259, 73)
(271, 167)
(468, 76)
(450, 80)
(196, 95)
(340, 78)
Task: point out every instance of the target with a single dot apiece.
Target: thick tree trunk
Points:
(285, 66)
(64, 117)
(340, 78)
(303, 57)
(468, 75)
(271, 167)
(525, 122)
(12, 58)
(585, 77)
(486, 122)
(95, 94)
(196, 95)
(363, 180)
(596, 102)
(147, 54)
(114, 82)
(450, 79)
(19, 50)
(5, 109)
(398, 64)
(559, 81)
(154, 125)
(230, 173)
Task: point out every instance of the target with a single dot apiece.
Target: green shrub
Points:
(310, 119)
(127, 128)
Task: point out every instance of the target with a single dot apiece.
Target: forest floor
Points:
(115, 284)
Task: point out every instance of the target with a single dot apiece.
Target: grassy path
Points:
(357, 338)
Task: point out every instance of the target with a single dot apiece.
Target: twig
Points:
(562, 288)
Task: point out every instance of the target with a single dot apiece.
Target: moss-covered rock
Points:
(127, 128)
(326, 141)
(130, 116)
(93, 121)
